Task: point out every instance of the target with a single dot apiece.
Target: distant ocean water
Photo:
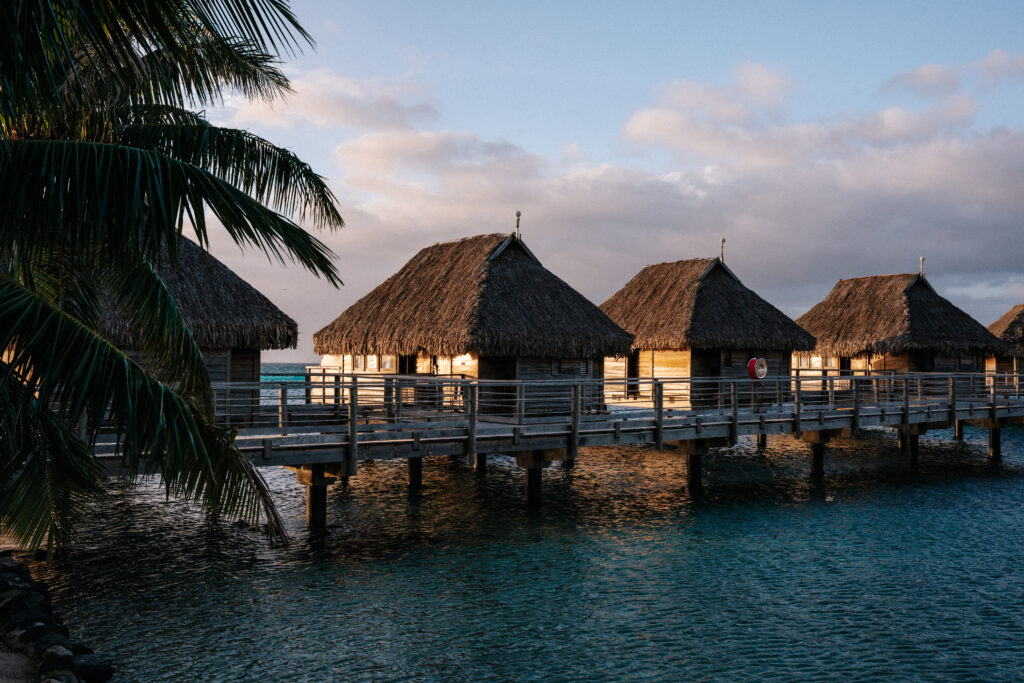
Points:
(874, 573)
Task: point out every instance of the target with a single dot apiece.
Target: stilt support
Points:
(995, 444)
(762, 442)
(534, 462)
(415, 472)
(695, 470)
(312, 477)
(817, 460)
(958, 430)
(913, 450)
(480, 463)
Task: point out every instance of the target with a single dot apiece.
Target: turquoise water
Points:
(873, 573)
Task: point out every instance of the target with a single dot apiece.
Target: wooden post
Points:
(762, 442)
(399, 398)
(695, 469)
(659, 415)
(415, 472)
(352, 452)
(389, 399)
(952, 399)
(282, 405)
(831, 391)
(734, 424)
(958, 430)
(796, 408)
(995, 444)
(520, 402)
(309, 388)
(912, 450)
(316, 498)
(337, 396)
(817, 460)
(856, 406)
(471, 409)
(533, 485)
(573, 446)
(906, 401)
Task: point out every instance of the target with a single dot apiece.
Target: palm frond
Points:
(88, 380)
(127, 203)
(271, 175)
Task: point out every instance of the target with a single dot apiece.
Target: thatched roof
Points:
(700, 303)
(222, 310)
(487, 294)
(1010, 330)
(892, 314)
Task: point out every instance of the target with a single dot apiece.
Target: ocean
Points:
(873, 573)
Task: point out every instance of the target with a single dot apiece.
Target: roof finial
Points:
(721, 256)
(922, 266)
(518, 214)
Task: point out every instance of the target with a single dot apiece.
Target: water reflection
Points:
(873, 571)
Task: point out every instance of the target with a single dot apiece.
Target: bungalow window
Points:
(387, 362)
(357, 362)
(727, 358)
(371, 362)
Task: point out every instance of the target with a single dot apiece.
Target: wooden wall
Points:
(902, 362)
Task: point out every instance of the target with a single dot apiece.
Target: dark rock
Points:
(51, 640)
(57, 658)
(36, 631)
(22, 602)
(60, 676)
(11, 581)
(93, 668)
(29, 619)
(80, 649)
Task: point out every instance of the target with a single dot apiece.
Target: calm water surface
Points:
(873, 573)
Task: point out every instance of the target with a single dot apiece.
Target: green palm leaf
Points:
(95, 197)
(92, 382)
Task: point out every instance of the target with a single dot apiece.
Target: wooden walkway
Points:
(323, 427)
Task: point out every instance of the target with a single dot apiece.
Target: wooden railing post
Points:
(796, 408)
(520, 402)
(399, 399)
(352, 451)
(337, 397)
(309, 387)
(282, 405)
(952, 399)
(389, 399)
(992, 400)
(471, 409)
(906, 401)
(831, 391)
(659, 415)
(574, 424)
(734, 412)
(856, 405)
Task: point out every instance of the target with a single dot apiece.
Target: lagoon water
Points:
(872, 573)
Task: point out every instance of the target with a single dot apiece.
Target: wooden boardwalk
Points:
(325, 426)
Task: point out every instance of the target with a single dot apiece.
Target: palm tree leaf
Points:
(157, 431)
(97, 197)
(271, 175)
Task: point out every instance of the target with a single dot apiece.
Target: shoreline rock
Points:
(29, 628)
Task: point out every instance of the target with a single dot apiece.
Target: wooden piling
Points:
(573, 447)
(316, 495)
(958, 430)
(695, 469)
(817, 460)
(282, 405)
(995, 444)
(415, 472)
(734, 419)
(472, 397)
(912, 450)
(762, 442)
(659, 415)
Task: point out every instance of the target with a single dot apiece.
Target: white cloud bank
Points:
(801, 203)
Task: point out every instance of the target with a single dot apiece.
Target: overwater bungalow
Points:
(694, 318)
(231, 321)
(480, 307)
(893, 323)
(1010, 330)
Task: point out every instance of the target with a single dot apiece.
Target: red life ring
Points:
(757, 368)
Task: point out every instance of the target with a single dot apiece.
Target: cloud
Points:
(802, 203)
(928, 81)
(1000, 65)
(322, 98)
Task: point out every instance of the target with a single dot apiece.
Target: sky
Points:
(823, 140)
